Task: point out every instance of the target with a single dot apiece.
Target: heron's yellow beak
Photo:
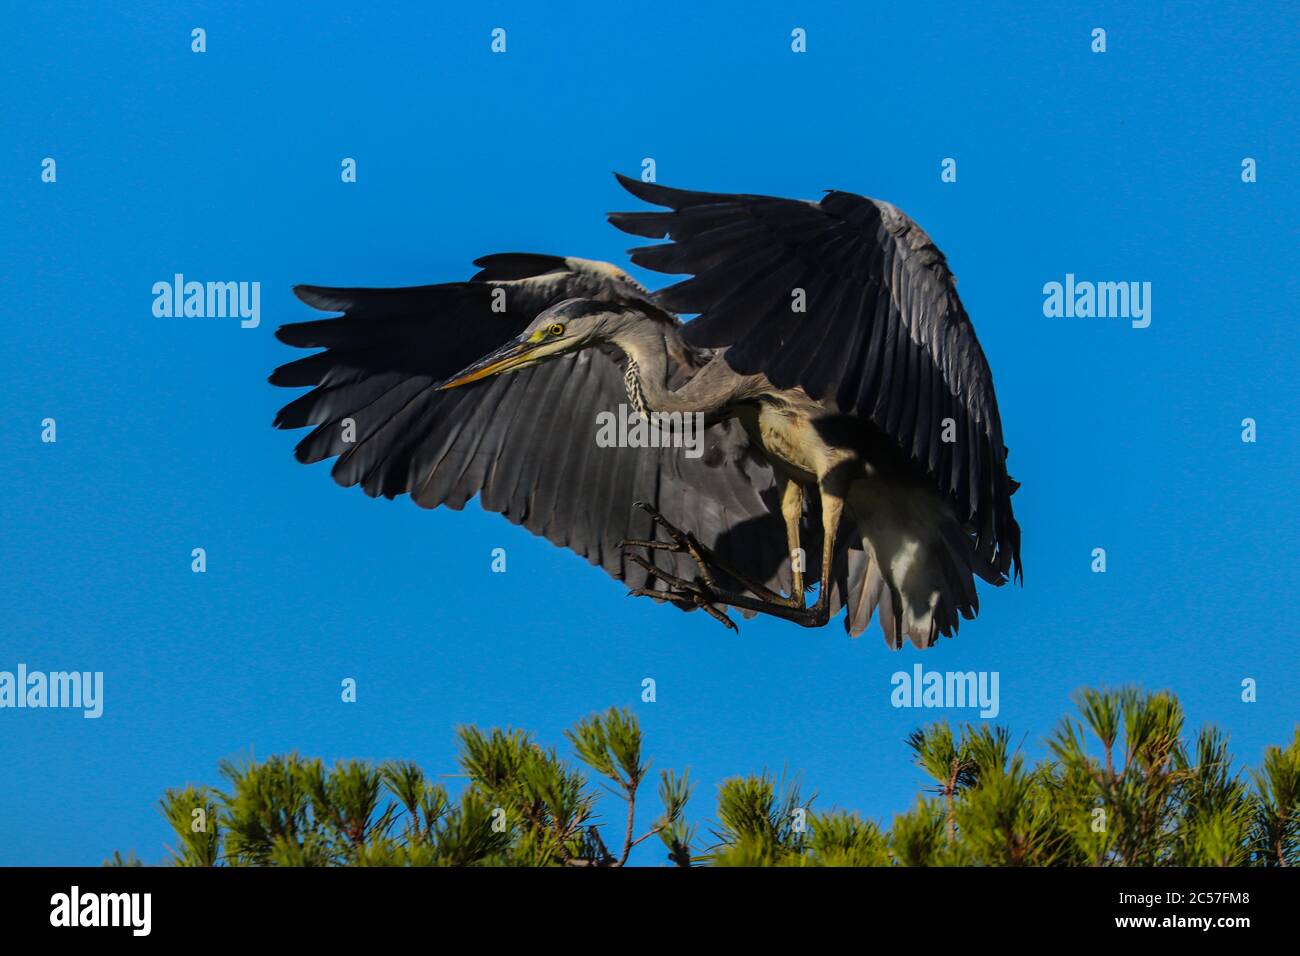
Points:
(510, 356)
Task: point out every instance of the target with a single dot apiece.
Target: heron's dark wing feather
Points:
(883, 335)
(525, 442)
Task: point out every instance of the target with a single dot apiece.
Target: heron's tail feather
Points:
(916, 569)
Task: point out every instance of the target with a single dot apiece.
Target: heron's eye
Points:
(556, 329)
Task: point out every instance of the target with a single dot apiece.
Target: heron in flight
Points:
(851, 436)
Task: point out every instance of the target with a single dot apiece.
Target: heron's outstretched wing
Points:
(524, 442)
(881, 333)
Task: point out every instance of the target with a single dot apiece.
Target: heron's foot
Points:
(715, 601)
(680, 542)
(701, 592)
(816, 616)
(683, 542)
(690, 596)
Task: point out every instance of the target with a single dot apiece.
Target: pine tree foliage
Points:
(1121, 785)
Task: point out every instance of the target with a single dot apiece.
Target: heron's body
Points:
(860, 430)
(853, 470)
(781, 424)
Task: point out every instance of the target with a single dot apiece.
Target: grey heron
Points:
(851, 433)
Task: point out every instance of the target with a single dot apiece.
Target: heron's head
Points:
(563, 328)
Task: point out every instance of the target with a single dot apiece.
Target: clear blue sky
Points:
(225, 166)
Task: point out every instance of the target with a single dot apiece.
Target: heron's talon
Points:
(656, 545)
(696, 596)
(698, 593)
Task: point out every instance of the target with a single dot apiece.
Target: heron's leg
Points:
(832, 509)
(819, 613)
(709, 597)
(792, 511)
(705, 593)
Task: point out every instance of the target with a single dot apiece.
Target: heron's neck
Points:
(648, 347)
